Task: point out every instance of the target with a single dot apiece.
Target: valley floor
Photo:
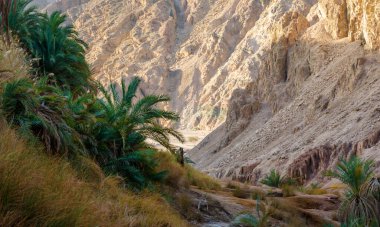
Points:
(219, 207)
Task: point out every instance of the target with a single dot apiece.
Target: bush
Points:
(176, 177)
(274, 179)
(39, 111)
(232, 185)
(184, 202)
(12, 62)
(241, 193)
(288, 190)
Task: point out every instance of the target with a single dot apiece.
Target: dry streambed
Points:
(212, 208)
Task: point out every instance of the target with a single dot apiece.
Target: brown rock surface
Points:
(283, 83)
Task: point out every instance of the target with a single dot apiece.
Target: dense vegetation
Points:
(72, 149)
(66, 123)
(39, 190)
(59, 106)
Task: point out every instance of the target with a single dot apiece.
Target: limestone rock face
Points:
(282, 83)
(335, 14)
(364, 16)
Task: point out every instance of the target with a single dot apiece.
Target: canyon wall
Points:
(325, 108)
(290, 85)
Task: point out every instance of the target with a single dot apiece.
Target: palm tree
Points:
(359, 202)
(122, 128)
(22, 20)
(60, 52)
(132, 123)
(56, 49)
(39, 112)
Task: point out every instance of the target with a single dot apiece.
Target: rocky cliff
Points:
(291, 85)
(324, 106)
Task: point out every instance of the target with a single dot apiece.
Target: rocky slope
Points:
(325, 107)
(290, 85)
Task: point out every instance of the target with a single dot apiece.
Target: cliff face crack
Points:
(180, 14)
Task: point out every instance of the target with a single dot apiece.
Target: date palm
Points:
(359, 201)
(22, 19)
(131, 123)
(60, 53)
(56, 49)
(39, 112)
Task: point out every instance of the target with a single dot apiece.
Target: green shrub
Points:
(273, 179)
(40, 111)
(61, 108)
(138, 168)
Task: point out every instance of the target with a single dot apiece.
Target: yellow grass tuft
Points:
(201, 180)
(12, 61)
(176, 175)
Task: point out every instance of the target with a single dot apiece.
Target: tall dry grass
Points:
(201, 180)
(37, 190)
(13, 63)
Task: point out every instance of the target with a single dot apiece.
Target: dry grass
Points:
(241, 193)
(179, 176)
(176, 176)
(192, 139)
(201, 180)
(37, 190)
(232, 185)
(12, 61)
(288, 190)
(316, 191)
(184, 202)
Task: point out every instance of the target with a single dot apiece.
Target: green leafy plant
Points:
(137, 168)
(274, 179)
(130, 123)
(39, 112)
(359, 202)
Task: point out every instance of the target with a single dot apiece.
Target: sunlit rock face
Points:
(280, 81)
